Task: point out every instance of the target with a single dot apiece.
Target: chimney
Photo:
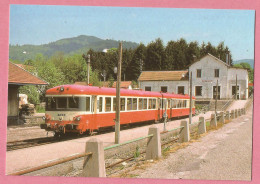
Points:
(227, 58)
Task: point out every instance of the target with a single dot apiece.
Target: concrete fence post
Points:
(202, 126)
(227, 116)
(213, 121)
(222, 118)
(153, 149)
(233, 114)
(94, 164)
(185, 132)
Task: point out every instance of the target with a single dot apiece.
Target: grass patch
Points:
(40, 109)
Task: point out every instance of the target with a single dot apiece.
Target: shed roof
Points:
(163, 75)
(20, 76)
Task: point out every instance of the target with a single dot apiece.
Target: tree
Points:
(248, 67)
(110, 81)
(193, 52)
(136, 65)
(155, 59)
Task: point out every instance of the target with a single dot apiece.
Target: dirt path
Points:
(224, 154)
(237, 104)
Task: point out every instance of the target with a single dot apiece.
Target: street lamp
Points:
(104, 74)
(87, 58)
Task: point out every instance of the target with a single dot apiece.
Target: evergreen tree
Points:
(155, 60)
(137, 62)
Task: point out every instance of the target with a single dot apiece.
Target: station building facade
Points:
(211, 77)
(17, 77)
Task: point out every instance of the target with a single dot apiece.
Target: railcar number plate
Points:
(61, 114)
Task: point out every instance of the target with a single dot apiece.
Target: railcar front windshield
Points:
(62, 103)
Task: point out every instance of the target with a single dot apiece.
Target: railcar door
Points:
(170, 107)
(94, 112)
(159, 109)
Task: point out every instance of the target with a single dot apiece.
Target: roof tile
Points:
(163, 75)
(18, 75)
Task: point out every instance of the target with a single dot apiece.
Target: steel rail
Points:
(127, 142)
(53, 163)
(129, 158)
(180, 127)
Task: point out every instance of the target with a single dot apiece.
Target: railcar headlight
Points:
(78, 118)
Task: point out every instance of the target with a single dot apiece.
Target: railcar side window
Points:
(62, 103)
(108, 104)
(87, 103)
(100, 104)
(154, 104)
(184, 103)
(114, 104)
(145, 103)
(150, 104)
(140, 103)
(169, 103)
(134, 103)
(129, 104)
(74, 102)
(122, 104)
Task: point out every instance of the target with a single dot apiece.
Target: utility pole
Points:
(190, 116)
(216, 99)
(236, 88)
(117, 125)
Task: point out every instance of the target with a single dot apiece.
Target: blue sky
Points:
(40, 24)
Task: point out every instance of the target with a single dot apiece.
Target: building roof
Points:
(123, 84)
(163, 75)
(20, 76)
(217, 59)
(26, 67)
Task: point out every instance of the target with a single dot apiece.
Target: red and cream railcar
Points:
(77, 108)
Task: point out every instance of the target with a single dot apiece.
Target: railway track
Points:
(22, 144)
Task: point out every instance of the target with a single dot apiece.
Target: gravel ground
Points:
(18, 133)
(224, 154)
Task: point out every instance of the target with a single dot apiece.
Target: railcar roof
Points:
(73, 89)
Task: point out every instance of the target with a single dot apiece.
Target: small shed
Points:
(18, 76)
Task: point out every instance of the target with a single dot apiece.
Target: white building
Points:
(207, 73)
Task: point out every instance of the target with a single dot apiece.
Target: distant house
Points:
(207, 73)
(18, 76)
(123, 84)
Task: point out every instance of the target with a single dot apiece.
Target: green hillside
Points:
(79, 44)
(249, 61)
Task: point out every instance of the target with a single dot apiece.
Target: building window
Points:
(148, 88)
(216, 72)
(181, 90)
(198, 91)
(198, 73)
(164, 89)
